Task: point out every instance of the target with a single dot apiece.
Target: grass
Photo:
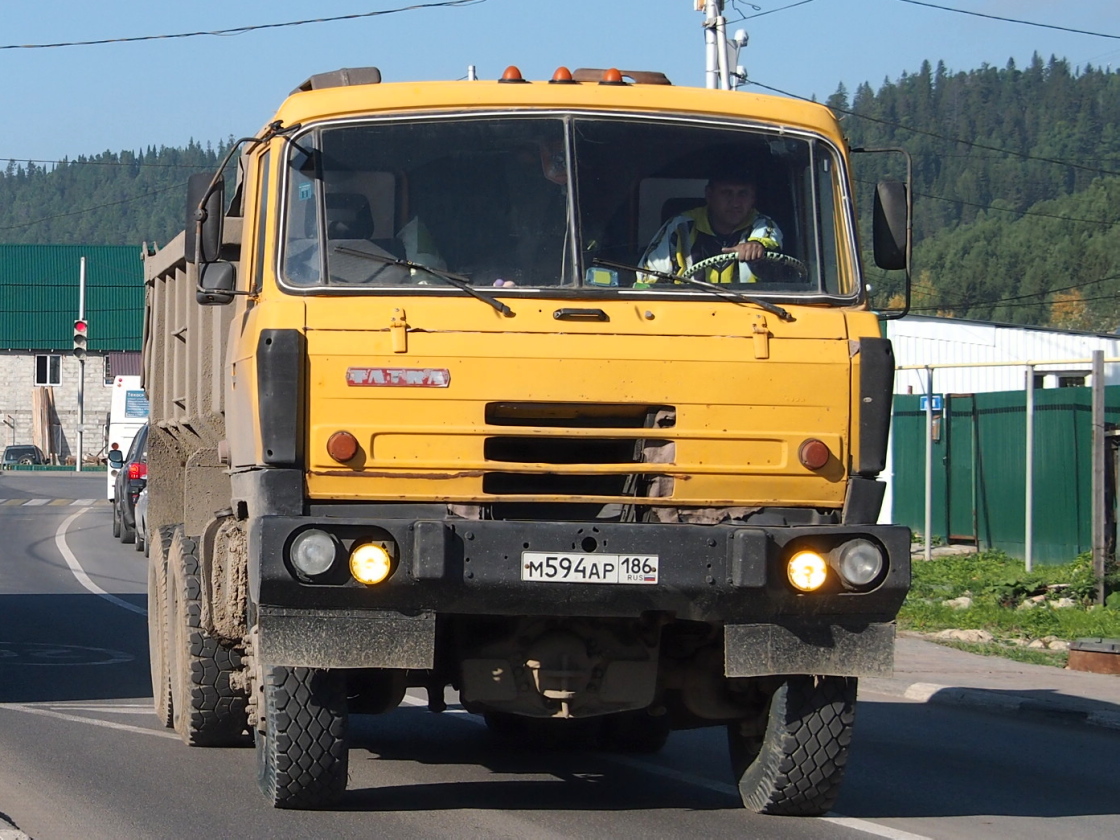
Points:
(998, 585)
(1031, 656)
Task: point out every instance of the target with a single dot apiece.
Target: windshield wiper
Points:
(784, 314)
(456, 280)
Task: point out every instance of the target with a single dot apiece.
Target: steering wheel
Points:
(774, 267)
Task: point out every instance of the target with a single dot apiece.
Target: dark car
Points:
(22, 455)
(132, 475)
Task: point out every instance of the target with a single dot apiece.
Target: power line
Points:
(998, 305)
(971, 143)
(240, 30)
(772, 11)
(1011, 20)
(1041, 215)
(92, 162)
(95, 207)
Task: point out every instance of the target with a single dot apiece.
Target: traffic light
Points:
(81, 338)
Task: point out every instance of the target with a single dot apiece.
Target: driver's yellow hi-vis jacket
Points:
(686, 239)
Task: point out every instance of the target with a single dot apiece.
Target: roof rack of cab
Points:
(342, 78)
(637, 77)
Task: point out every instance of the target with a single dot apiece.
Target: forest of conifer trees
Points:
(1016, 190)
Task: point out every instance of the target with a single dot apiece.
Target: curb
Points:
(983, 699)
(8, 831)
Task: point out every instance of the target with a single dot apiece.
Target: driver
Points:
(727, 223)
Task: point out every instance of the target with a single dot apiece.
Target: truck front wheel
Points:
(796, 766)
(207, 710)
(302, 752)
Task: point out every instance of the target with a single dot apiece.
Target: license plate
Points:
(558, 567)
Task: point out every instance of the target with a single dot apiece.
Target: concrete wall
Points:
(17, 401)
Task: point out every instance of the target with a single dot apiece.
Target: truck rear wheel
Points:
(157, 627)
(796, 766)
(207, 711)
(302, 751)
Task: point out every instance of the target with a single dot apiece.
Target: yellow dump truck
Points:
(428, 412)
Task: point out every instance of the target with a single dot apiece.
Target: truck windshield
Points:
(564, 202)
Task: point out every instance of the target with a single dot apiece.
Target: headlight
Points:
(858, 562)
(807, 571)
(313, 552)
(370, 563)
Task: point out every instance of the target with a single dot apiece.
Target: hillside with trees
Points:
(1016, 190)
(110, 198)
(1016, 186)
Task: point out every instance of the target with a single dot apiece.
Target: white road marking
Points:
(80, 573)
(83, 502)
(107, 724)
(146, 709)
(872, 828)
(643, 766)
(36, 502)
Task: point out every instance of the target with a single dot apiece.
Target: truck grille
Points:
(630, 444)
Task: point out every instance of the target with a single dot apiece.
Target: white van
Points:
(128, 411)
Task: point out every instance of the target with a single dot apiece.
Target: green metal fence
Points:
(979, 469)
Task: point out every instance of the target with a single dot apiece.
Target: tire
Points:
(116, 521)
(302, 751)
(797, 766)
(140, 540)
(157, 629)
(207, 711)
(128, 533)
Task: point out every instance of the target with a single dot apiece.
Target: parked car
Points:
(132, 475)
(142, 521)
(22, 455)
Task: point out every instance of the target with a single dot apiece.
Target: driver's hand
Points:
(747, 251)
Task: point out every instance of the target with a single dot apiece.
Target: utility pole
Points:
(81, 341)
(720, 55)
(1098, 449)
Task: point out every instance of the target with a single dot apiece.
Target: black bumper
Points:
(713, 573)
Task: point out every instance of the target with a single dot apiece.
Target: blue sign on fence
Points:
(923, 401)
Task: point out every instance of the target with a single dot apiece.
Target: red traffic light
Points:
(81, 338)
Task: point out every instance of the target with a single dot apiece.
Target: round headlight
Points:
(313, 552)
(859, 562)
(807, 571)
(370, 563)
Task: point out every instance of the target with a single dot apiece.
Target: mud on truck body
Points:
(420, 420)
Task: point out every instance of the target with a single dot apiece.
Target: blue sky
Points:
(80, 100)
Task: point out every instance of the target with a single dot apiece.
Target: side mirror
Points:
(890, 227)
(204, 218)
(116, 457)
(216, 282)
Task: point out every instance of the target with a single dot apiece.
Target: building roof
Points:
(39, 289)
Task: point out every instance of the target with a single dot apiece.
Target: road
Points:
(82, 755)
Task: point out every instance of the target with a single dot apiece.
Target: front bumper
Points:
(721, 574)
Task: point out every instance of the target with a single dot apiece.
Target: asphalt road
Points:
(81, 754)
